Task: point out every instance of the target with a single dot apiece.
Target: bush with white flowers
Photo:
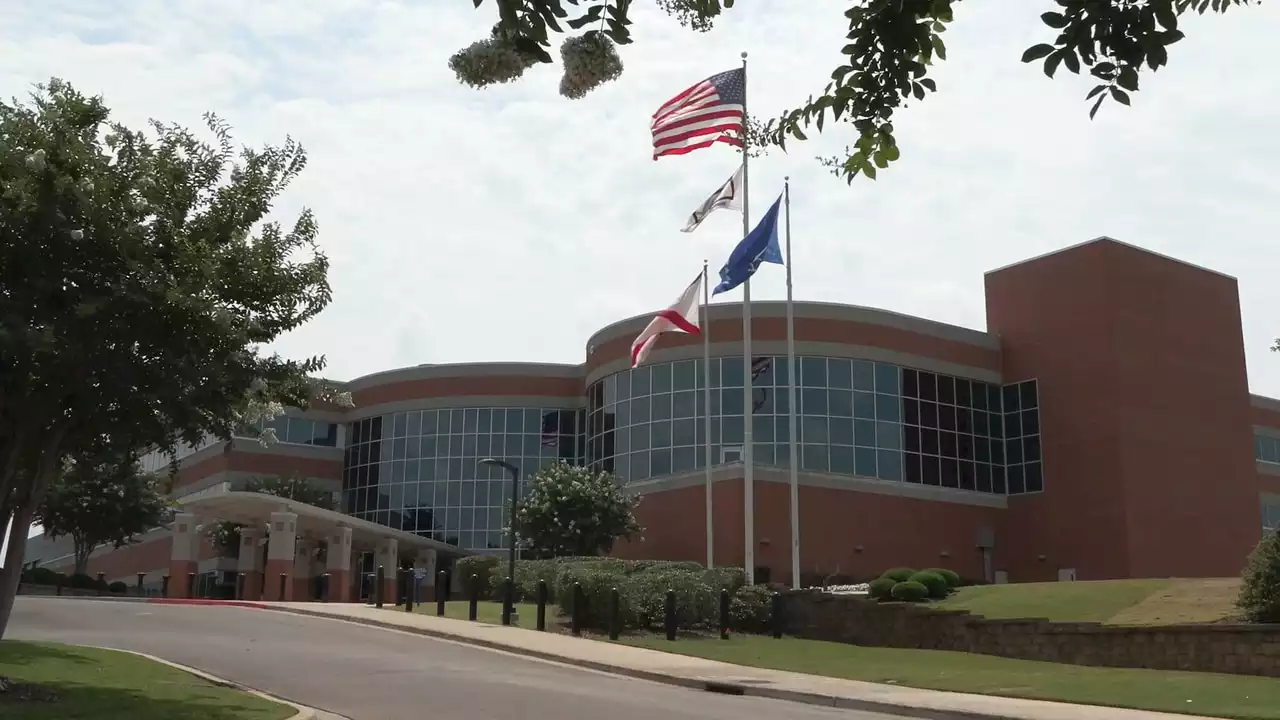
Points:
(496, 59)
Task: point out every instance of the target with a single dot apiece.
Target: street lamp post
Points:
(511, 533)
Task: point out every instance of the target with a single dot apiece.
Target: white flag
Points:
(728, 196)
(683, 317)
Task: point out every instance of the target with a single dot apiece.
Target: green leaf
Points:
(839, 73)
(1157, 57)
(1165, 14)
(1097, 104)
(892, 153)
(939, 47)
(929, 83)
(1054, 20)
(1051, 63)
(1097, 90)
(1120, 96)
(1035, 52)
(1070, 60)
(1128, 78)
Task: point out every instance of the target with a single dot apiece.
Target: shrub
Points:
(951, 576)
(881, 589)
(598, 582)
(482, 566)
(42, 576)
(933, 582)
(118, 587)
(1260, 591)
(84, 582)
(898, 574)
(910, 591)
(749, 609)
(728, 578)
(528, 574)
(696, 603)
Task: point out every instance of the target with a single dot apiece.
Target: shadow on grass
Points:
(24, 653)
(89, 684)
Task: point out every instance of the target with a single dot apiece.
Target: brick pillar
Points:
(302, 570)
(184, 557)
(338, 564)
(282, 544)
(250, 561)
(387, 555)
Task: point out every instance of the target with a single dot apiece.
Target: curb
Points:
(214, 603)
(303, 712)
(713, 686)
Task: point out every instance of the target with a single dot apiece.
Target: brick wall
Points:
(1223, 648)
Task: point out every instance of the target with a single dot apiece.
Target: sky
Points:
(508, 224)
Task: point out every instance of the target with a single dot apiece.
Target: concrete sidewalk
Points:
(714, 676)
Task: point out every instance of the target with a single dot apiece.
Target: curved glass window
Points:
(420, 471)
(855, 417)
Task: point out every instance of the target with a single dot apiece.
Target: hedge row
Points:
(45, 576)
(642, 589)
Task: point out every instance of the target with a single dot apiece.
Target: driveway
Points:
(366, 673)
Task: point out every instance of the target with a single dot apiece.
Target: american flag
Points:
(708, 112)
(550, 428)
(760, 366)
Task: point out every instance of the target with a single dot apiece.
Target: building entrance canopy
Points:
(314, 523)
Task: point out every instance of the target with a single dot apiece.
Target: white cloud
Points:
(509, 224)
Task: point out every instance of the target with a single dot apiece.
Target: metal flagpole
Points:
(706, 390)
(794, 470)
(748, 471)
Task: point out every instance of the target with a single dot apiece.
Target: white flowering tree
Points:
(888, 52)
(140, 280)
(102, 498)
(570, 511)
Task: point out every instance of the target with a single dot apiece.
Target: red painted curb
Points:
(223, 603)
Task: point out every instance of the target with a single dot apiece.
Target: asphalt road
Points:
(366, 673)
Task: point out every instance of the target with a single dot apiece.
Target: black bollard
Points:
(542, 605)
(724, 613)
(473, 598)
(102, 584)
(239, 586)
(614, 614)
(669, 619)
(58, 583)
(575, 616)
(284, 580)
(325, 580)
(141, 578)
(508, 600)
(164, 586)
(378, 579)
(442, 593)
(775, 615)
(410, 585)
(191, 585)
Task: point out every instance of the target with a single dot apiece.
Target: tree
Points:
(1260, 590)
(225, 535)
(891, 45)
(139, 283)
(572, 511)
(102, 499)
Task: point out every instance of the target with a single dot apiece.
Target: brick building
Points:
(1099, 428)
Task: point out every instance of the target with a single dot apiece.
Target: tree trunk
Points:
(12, 571)
(82, 552)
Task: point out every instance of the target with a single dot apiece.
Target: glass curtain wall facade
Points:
(1266, 449)
(856, 418)
(419, 471)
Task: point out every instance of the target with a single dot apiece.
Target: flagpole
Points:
(706, 390)
(794, 469)
(748, 469)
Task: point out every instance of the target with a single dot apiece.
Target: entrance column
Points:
(424, 565)
(302, 572)
(183, 557)
(338, 565)
(388, 556)
(249, 562)
(281, 546)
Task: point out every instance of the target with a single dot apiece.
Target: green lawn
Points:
(488, 612)
(1059, 601)
(89, 684)
(1228, 696)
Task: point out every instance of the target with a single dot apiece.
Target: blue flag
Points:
(759, 246)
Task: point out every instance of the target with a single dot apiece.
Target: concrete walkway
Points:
(715, 676)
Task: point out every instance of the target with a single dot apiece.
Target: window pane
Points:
(683, 404)
(864, 460)
(864, 375)
(840, 374)
(887, 378)
(842, 459)
(661, 379)
(813, 372)
(889, 465)
(814, 458)
(683, 375)
(864, 405)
